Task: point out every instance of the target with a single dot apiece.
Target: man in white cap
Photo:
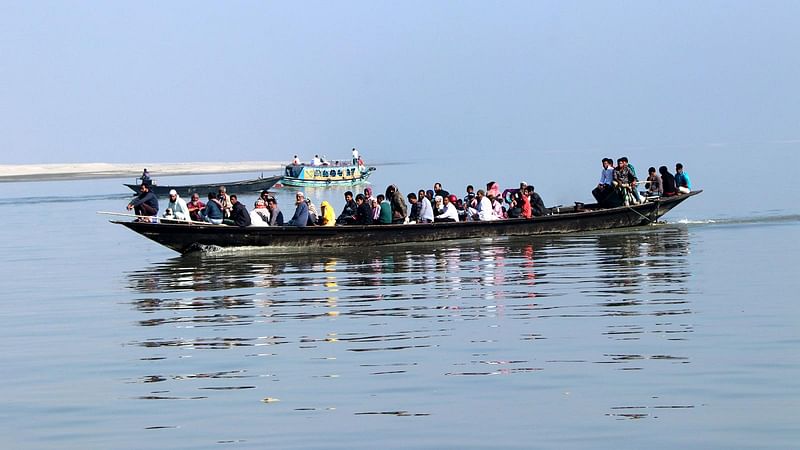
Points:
(300, 217)
(177, 206)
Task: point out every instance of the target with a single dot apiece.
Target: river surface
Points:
(681, 335)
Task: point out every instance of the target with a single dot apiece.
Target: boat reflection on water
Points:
(458, 309)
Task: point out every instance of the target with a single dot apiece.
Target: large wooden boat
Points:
(234, 187)
(188, 237)
(333, 173)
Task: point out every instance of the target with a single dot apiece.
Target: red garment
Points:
(526, 206)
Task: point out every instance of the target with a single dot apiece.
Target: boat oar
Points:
(109, 213)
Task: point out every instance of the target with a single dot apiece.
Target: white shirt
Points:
(315, 161)
(450, 212)
(355, 154)
(426, 211)
(485, 211)
(179, 209)
(259, 217)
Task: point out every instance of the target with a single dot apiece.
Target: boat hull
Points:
(188, 237)
(234, 187)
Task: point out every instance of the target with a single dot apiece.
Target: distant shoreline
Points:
(88, 171)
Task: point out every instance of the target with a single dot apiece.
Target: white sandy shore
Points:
(83, 171)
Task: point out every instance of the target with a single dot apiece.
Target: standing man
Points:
(144, 204)
(355, 156)
(682, 180)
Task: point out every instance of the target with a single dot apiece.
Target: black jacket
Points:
(364, 214)
(240, 215)
(150, 199)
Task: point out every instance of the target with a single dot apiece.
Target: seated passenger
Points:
(313, 215)
(349, 211)
(604, 187)
(196, 208)
(682, 180)
(240, 216)
(653, 184)
(398, 204)
(668, 186)
(492, 189)
(469, 199)
(497, 207)
(213, 211)
(177, 206)
(426, 214)
(300, 217)
(413, 212)
(385, 214)
(623, 182)
(524, 202)
(438, 207)
(364, 213)
(368, 197)
(537, 205)
(145, 203)
(483, 211)
(327, 217)
(275, 214)
(449, 212)
(259, 216)
(225, 201)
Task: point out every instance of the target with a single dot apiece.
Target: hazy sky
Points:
(232, 80)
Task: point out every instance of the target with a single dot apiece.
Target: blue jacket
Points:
(300, 217)
(213, 210)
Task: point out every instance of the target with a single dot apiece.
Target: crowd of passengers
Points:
(618, 186)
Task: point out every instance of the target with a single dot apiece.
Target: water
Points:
(683, 335)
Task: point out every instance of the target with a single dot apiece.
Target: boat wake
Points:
(748, 220)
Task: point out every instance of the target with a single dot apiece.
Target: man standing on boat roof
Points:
(355, 156)
(144, 204)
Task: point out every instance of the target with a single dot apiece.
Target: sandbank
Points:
(86, 171)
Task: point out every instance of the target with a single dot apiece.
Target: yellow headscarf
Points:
(328, 217)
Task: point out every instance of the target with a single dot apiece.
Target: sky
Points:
(476, 82)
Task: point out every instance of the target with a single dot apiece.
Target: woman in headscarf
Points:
(328, 217)
(368, 197)
(492, 189)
